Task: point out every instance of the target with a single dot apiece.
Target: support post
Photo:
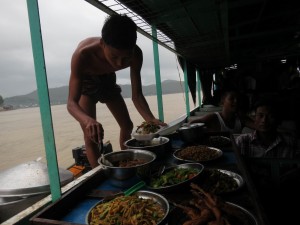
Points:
(157, 74)
(186, 88)
(199, 88)
(43, 95)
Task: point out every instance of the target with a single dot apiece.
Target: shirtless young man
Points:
(93, 79)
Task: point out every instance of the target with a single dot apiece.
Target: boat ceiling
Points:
(217, 33)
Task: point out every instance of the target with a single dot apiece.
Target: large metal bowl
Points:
(124, 173)
(146, 195)
(159, 145)
(197, 166)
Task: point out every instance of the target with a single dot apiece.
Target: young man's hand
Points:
(158, 122)
(94, 130)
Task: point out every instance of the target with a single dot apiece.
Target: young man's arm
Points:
(93, 129)
(210, 120)
(136, 84)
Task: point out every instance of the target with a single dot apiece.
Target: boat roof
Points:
(215, 34)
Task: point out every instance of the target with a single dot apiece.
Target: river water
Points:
(21, 135)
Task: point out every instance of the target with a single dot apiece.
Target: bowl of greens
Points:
(174, 177)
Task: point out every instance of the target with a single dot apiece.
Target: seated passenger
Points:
(229, 119)
(270, 159)
(265, 140)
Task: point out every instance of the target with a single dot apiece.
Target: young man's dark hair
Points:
(119, 31)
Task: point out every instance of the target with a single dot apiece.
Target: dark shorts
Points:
(101, 88)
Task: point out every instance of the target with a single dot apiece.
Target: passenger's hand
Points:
(94, 130)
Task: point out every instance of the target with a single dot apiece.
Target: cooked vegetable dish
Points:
(219, 141)
(174, 176)
(198, 153)
(216, 182)
(127, 210)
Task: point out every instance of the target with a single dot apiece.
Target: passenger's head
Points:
(119, 31)
(266, 115)
(230, 100)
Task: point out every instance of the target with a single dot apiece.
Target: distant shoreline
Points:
(59, 95)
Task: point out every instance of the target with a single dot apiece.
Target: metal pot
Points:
(125, 173)
(191, 133)
(159, 145)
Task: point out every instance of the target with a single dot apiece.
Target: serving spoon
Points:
(99, 194)
(102, 159)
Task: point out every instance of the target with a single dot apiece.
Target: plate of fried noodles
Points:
(142, 207)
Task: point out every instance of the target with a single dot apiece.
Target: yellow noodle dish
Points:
(127, 210)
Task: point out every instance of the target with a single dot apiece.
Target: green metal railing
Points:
(157, 75)
(43, 95)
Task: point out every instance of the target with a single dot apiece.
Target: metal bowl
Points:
(159, 145)
(191, 133)
(203, 152)
(146, 195)
(211, 180)
(173, 187)
(124, 173)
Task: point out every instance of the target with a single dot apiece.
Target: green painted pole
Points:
(43, 95)
(157, 75)
(199, 88)
(186, 88)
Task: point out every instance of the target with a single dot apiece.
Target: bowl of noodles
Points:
(142, 207)
(125, 164)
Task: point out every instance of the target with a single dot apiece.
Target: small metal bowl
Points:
(124, 173)
(192, 133)
(146, 195)
(159, 145)
(199, 167)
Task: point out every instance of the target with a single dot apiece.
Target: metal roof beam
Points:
(109, 11)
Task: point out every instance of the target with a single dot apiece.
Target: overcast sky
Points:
(64, 24)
